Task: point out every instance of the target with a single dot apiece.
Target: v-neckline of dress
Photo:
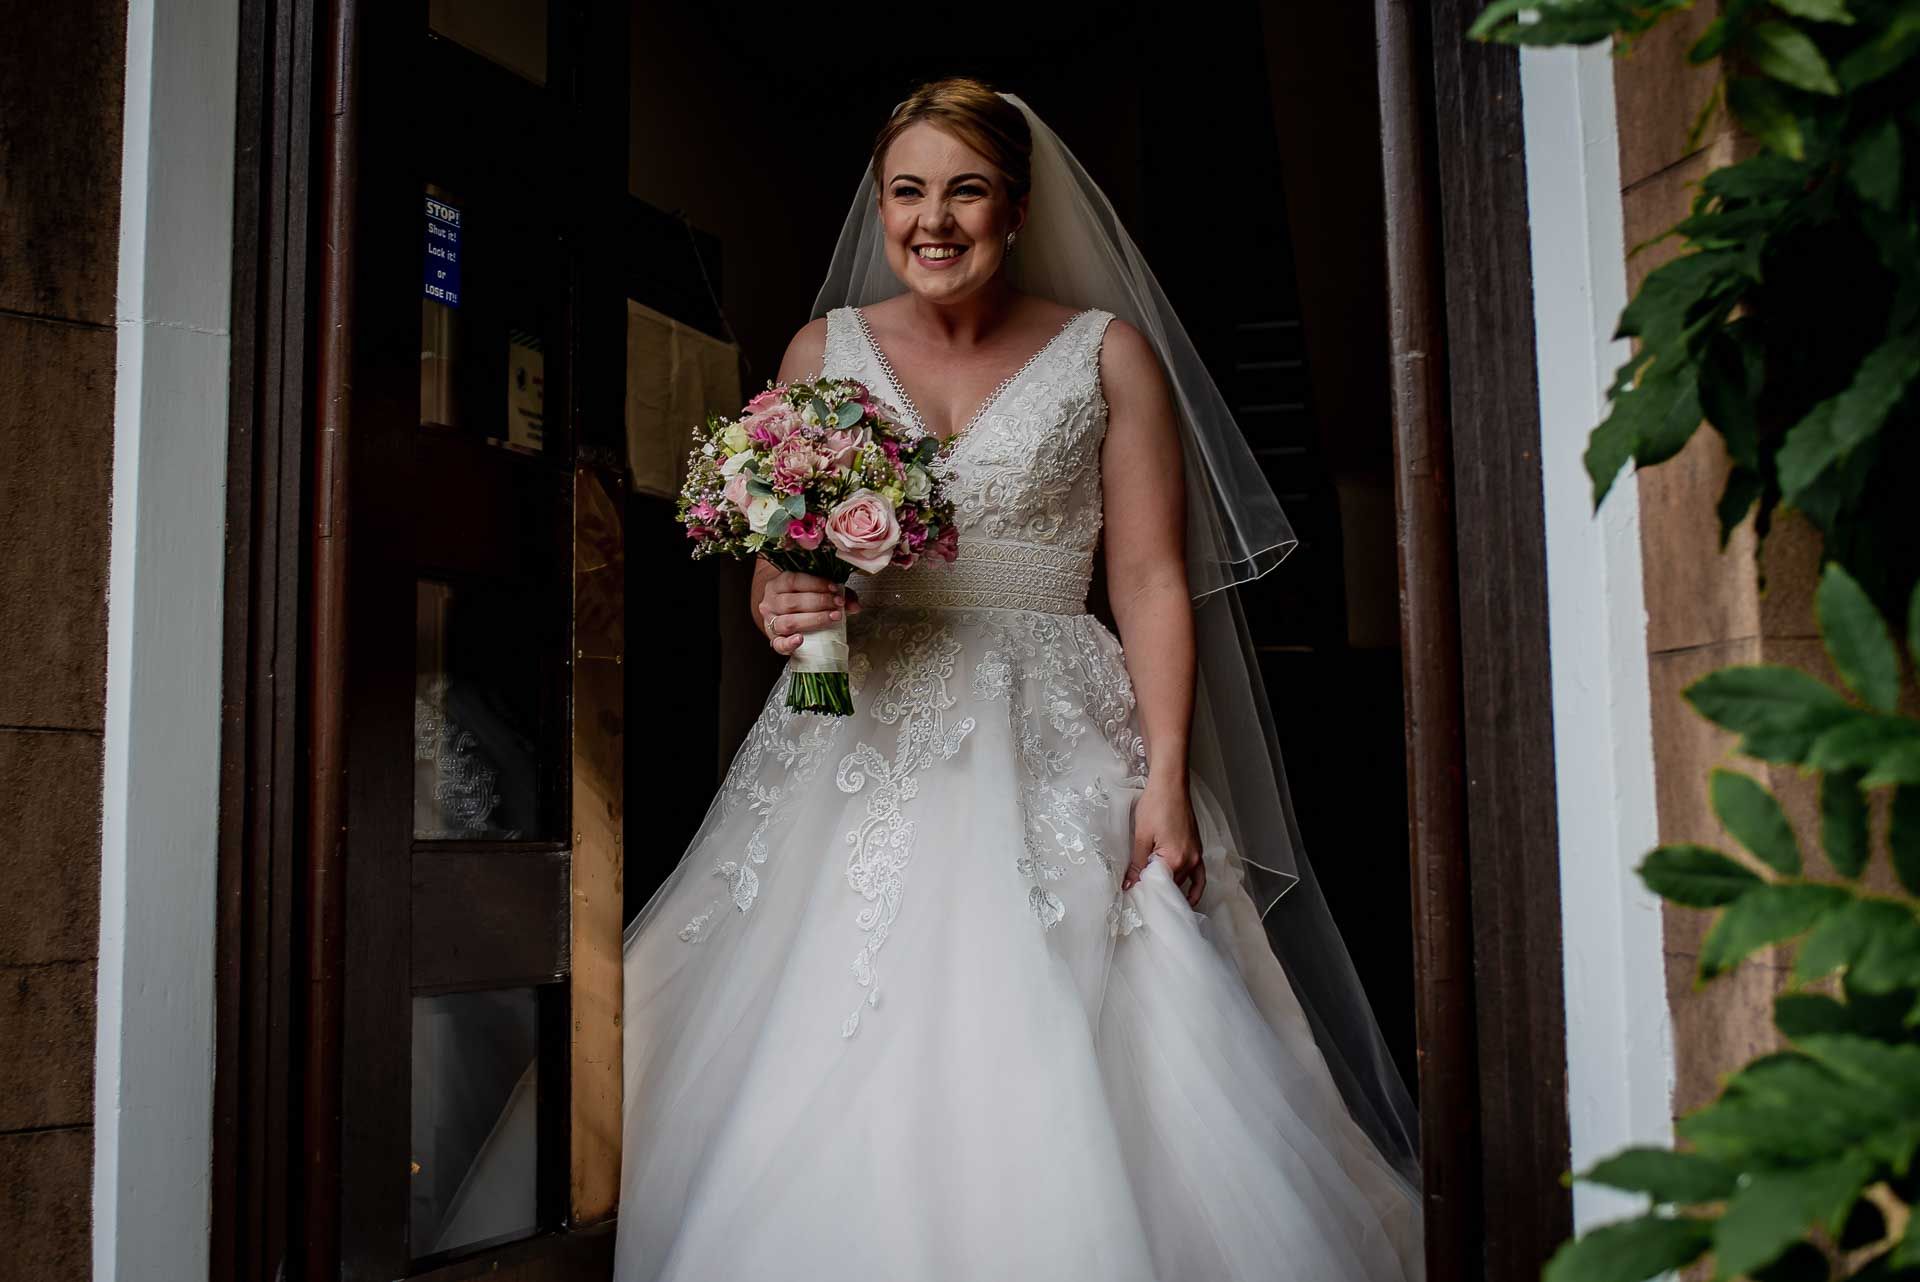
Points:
(992, 397)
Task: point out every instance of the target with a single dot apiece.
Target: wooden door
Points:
(469, 576)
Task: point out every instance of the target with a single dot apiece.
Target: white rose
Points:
(735, 462)
(760, 511)
(918, 484)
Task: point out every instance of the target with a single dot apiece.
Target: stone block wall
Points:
(61, 90)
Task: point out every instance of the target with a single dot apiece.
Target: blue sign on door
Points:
(443, 252)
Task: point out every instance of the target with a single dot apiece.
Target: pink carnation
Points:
(772, 425)
(793, 462)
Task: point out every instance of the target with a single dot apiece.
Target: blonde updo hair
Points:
(971, 111)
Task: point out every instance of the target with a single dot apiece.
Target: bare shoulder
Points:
(806, 353)
(1129, 367)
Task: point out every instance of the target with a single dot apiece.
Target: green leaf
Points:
(1788, 54)
(848, 414)
(795, 504)
(1630, 1250)
(759, 488)
(1779, 711)
(1609, 448)
(1800, 1015)
(1666, 1176)
(1876, 940)
(1816, 10)
(1696, 876)
(1736, 500)
(1890, 1074)
(1913, 625)
(1840, 424)
(1873, 166)
(1886, 748)
(1774, 1208)
(1765, 915)
(1766, 176)
(777, 524)
(1788, 1110)
(1887, 52)
(1758, 106)
(1903, 836)
(1752, 815)
(1857, 639)
(1843, 822)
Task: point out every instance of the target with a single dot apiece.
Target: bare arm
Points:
(785, 605)
(1146, 521)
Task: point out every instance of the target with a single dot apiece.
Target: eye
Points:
(905, 192)
(969, 189)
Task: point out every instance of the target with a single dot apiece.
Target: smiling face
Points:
(946, 212)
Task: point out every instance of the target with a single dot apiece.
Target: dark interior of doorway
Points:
(1239, 142)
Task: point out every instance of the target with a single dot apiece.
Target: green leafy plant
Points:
(1808, 1153)
(1790, 321)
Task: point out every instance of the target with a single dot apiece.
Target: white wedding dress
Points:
(893, 1018)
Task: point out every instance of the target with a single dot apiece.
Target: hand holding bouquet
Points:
(819, 478)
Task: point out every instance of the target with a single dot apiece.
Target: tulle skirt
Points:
(892, 1017)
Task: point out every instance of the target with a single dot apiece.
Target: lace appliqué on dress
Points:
(773, 738)
(916, 699)
(1078, 684)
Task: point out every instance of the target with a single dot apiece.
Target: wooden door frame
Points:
(1490, 995)
(1489, 989)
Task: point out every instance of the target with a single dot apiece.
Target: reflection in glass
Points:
(476, 770)
(440, 321)
(475, 1119)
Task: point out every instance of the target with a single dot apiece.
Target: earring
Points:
(1010, 236)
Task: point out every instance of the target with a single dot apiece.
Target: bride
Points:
(973, 984)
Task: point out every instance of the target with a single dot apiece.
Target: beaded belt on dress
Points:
(987, 575)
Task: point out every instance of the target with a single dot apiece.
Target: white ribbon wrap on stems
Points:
(824, 650)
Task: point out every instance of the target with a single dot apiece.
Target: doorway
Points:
(455, 896)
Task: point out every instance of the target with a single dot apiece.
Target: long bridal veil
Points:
(1075, 250)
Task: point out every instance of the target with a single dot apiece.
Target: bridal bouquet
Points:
(820, 478)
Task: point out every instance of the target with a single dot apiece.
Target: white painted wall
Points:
(1619, 1040)
(153, 1069)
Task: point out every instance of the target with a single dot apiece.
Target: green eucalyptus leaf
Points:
(848, 414)
(1903, 836)
(1789, 55)
(1773, 1209)
(1752, 815)
(759, 488)
(777, 524)
(795, 505)
(1857, 639)
(1765, 915)
(1696, 876)
(1843, 821)
(1668, 1177)
(1760, 109)
(1630, 1250)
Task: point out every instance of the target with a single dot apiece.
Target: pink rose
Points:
(736, 491)
(807, 531)
(946, 546)
(765, 399)
(842, 444)
(863, 530)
